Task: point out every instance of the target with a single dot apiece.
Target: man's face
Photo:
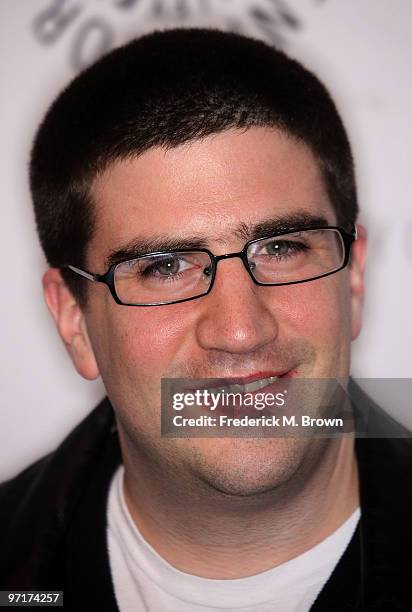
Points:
(210, 189)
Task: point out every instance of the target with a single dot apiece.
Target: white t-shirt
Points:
(144, 581)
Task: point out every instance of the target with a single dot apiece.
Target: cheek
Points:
(149, 339)
(318, 311)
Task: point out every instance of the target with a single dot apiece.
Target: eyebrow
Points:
(246, 231)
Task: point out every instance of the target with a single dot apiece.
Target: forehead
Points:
(207, 188)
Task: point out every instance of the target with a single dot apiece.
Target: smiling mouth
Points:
(249, 387)
(242, 384)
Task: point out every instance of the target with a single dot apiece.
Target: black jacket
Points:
(53, 522)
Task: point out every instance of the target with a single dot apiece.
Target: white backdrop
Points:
(362, 51)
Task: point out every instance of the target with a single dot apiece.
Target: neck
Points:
(208, 533)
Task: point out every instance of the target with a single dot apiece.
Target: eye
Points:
(281, 248)
(168, 266)
(277, 247)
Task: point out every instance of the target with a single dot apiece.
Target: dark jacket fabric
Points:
(53, 521)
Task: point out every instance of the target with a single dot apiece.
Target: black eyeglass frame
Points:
(108, 277)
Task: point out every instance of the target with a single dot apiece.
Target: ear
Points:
(356, 276)
(70, 323)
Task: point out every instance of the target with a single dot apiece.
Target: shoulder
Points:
(83, 440)
(372, 421)
(13, 491)
(36, 505)
(383, 445)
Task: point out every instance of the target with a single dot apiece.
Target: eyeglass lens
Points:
(297, 256)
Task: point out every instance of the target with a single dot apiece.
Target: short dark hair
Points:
(164, 89)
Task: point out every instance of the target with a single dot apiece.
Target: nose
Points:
(237, 316)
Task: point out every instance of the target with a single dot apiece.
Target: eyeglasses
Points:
(157, 279)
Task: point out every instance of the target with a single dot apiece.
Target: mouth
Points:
(238, 387)
(249, 384)
(242, 384)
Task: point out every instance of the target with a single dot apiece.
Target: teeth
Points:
(249, 387)
(253, 386)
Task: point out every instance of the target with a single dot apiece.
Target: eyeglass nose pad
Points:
(252, 265)
(207, 271)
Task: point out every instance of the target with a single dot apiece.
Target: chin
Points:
(251, 467)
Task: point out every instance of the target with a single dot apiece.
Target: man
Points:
(204, 183)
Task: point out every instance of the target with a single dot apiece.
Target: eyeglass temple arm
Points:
(84, 273)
